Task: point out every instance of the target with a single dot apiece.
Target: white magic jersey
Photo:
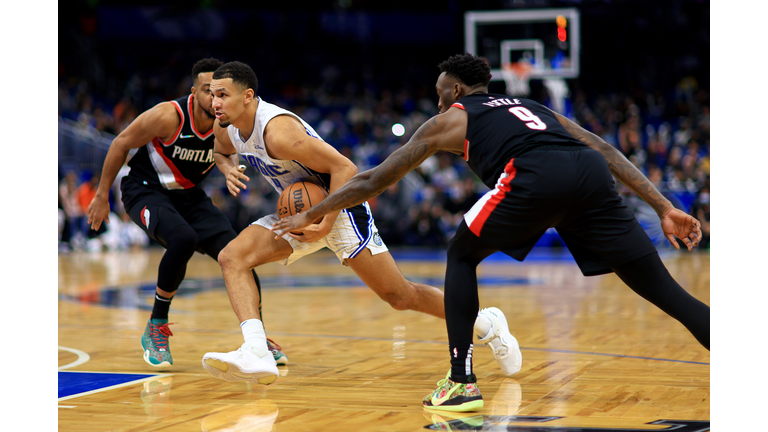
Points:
(280, 173)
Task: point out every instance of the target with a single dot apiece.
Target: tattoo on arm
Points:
(373, 182)
(620, 167)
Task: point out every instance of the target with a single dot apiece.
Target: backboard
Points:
(547, 38)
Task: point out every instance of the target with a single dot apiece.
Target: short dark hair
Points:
(205, 65)
(241, 74)
(470, 69)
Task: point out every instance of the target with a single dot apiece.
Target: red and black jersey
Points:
(182, 162)
(501, 127)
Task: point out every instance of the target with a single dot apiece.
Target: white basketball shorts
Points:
(353, 232)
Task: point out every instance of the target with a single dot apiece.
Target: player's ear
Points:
(248, 95)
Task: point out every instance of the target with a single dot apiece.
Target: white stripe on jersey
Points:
(164, 172)
(279, 173)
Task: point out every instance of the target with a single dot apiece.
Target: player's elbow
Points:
(351, 168)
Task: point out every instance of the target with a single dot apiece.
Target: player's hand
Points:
(234, 177)
(676, 223)
(98, 210)
(294, 223)
(312, 233)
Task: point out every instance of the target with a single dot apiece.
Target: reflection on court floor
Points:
(596, 357)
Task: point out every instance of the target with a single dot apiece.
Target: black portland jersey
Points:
(182, 162)
(501, 127)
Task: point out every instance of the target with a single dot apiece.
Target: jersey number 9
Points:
(530, 119)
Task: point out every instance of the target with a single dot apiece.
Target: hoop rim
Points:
(521, 69)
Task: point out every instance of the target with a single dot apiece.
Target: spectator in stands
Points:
(392, 210)
(75, 217)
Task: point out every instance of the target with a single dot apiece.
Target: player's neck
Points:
(477, 90)
(246, 122)
(203, 121)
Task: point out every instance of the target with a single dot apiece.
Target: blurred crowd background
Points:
(353, 69)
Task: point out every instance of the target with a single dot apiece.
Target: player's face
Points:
(227, 101)
(446, 92)
(203, 94)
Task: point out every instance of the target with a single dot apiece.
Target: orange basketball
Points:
(299, 197)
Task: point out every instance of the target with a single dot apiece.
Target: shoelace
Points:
(497, 346)
(273, 346)
(444, 380)
(159, 335)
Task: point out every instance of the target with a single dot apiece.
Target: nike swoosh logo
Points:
(439, 400)
(185, 136)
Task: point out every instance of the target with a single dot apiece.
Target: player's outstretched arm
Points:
(160, 121)
(439, 133)
(674, 222)
(225, 156)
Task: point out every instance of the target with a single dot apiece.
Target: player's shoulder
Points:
(166, 109)
(163, 115)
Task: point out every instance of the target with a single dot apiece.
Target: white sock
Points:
(482, 326)
(254, 334)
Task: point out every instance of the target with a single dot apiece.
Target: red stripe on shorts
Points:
(502, 187)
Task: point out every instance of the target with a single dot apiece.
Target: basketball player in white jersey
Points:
(285, 149)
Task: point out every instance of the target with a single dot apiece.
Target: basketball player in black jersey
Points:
(545, 171)
(163, 196)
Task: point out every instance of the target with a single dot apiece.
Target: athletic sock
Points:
(254, 335)
(483, 326)
(161, 307)
(461, 365)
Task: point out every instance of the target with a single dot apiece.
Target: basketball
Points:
(299, 197)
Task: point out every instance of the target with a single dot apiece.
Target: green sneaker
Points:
(453, 396)
(280, 358)
(157, 352)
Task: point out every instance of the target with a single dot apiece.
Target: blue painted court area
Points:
(73, 383)
(537, 255)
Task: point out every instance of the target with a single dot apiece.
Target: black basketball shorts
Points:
(158, 212)
(570, 189)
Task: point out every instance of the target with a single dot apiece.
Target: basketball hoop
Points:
(517, 77)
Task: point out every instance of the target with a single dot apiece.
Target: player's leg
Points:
(380, 273)
(253, 361)
(648, 277)
(212, 246)
(458, 391)
(605, 236)
(169, 229)
(254, 246)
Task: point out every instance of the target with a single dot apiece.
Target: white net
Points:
(517, 78)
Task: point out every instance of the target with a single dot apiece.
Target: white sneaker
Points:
(491, 328)
(245, 364)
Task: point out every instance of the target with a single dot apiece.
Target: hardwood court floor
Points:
(594, 353)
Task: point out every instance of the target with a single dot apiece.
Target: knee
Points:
(227, 257)
(183, 238)
(397, 301)
(402, 299)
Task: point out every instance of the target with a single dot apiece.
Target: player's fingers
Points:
(688, 244)
(672, 241)
(300, 237)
